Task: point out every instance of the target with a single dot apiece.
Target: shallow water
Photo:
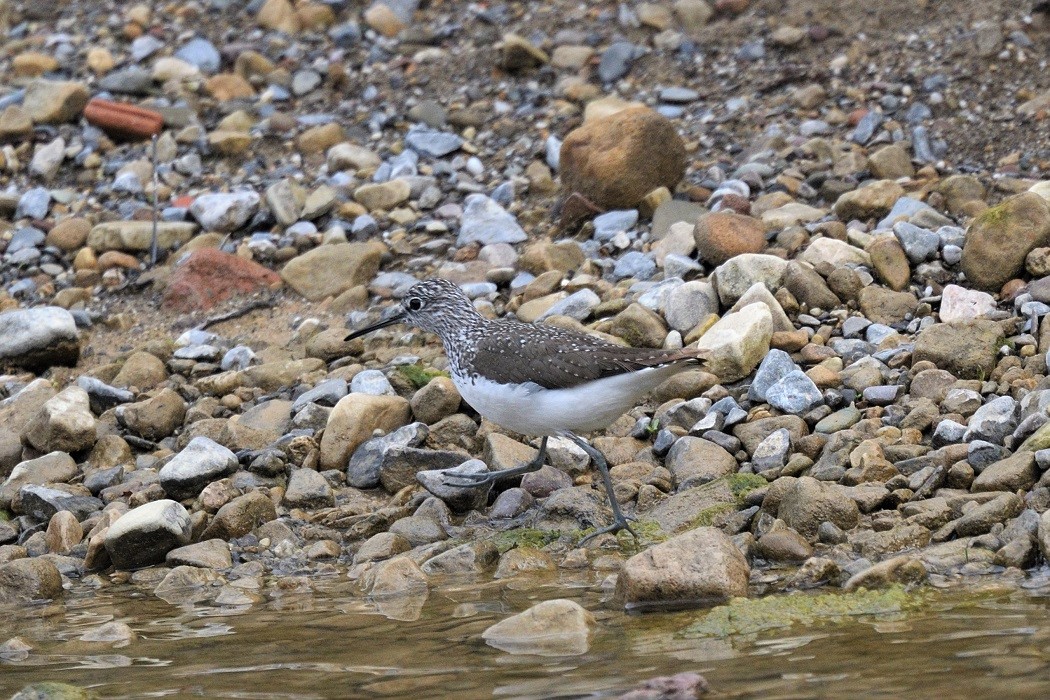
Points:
(322, 640)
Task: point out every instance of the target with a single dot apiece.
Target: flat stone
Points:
(201, 462)
(550, 628)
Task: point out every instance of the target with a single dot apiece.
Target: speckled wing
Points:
(555, 358)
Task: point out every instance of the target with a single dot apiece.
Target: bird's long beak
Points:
(394, 317)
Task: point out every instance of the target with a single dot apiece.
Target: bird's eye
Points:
(415, 304)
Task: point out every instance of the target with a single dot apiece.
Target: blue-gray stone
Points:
(981, 454)
(345, 35)
(814, 127)
(42, 502)
(239, 358)
(634, 264)
(364, 225)
(25, 238)
(839, 420)
(577, 305)
(951, 254)
(33, 204)
(905, 207)
(920, 145)
(948, 432)
(476, 290)
(200, 353)
(431, 142)
(372, 382)
(616, 61)
(305, 81)
(679, 95)
(794, 393)
(882, 394)
(776, 365)
(917, 113)
(443, 484)
(676, 265)
(132, 80)
(127, 182)
(365, 463)
(504, 194)
(952, 235)
(201, 53)
(751, 50)
(485, 221)
(877, 332)
(993, 421)
(919, 244)
(853, 326)
(201, 462)
(866, 127)
(102, 396)
(553, 152)
(145, 46)
(327, 393)
(1042, 459)
(613, 222)
(397, 282)
(772, 452)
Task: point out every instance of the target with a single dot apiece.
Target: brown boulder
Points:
(1000, 238)
(721, 236)
(616, 160)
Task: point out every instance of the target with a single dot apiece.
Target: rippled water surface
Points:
(322, 640)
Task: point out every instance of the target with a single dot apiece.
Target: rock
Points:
(432, 143)
(993, 421)
(809, 287)
(738, 342)
(383, 195)
(329, 270)
(898, 570)
(919, 244)
(889, 261)
(441, 483)
(144, 535)
(209, 554)
(701, 566)
(39, 338)
(469, 558)
(550, 628)
(137, 236)
(381, 546)
(225, 87)
(782, 544)
(486, 222)
(208, 277)
(69, 234)
(155, 418)
(47, 159)
(240, 516)
(26, 580)
(794, 393)
(15, 124)
(352, 422)
(831, 251)
(259, 426)
(350, 156)
(278, 15)
(63, 532)
(960, 304)
(776, 365)
(54, 102)
(734, 277)
(225, 211)
(615, 161)
(56, 467)
(722, 236)
(869, 202)
(395, 577)
(15, 413)
(1043, 534)
(1017, 472)
(639, 326)
(142, 371)
(201, 462)
(319, 139)
(1000, 238)
(891, 163)
(808, 502)
(689, 304)
(308, 489)
(980, 519)
(693, 461)
(63, 424)
(886, 306)
(967, 349)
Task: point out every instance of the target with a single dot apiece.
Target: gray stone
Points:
(201, 53)
(201, 462)
(39, 338)
(690, 303)
(308, 489)
(772, 453)
(442, 483)
(226, 211)
(919, 244)
(776, 365)
(577, 305)
(486, 222)
(33, 204)
(327, 393)
(794, 393)
(808, 502)
(42, 502)
(144, 535)
(693, 461)
(431, 142)
(367, 460)
(550, 628)
(634, 264)
(64, 423)
(372, 382)
(993, 421)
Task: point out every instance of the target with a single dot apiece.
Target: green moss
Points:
(750, 616)
(419, 375)
(706, 517)
(992, 216)
(524, 537)
(742, 484)
(4, 515)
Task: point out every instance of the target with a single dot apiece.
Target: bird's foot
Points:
(620, 523)
(478, 480)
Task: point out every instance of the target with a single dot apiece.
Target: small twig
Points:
(237, 313)
(153, 243)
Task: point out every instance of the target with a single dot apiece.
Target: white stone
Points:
(958, 303)
(793, 214)
(738, 342)
(834, 252)
(737, 275)
(225, 211)
(551, 628)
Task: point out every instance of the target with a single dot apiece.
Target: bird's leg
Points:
(619, 519)
(534, 464)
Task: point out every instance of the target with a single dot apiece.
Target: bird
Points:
(534, 379)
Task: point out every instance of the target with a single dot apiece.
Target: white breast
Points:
(530, 409)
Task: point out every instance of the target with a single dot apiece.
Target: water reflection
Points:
(317, 638)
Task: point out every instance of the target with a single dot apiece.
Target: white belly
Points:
(530, 409)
